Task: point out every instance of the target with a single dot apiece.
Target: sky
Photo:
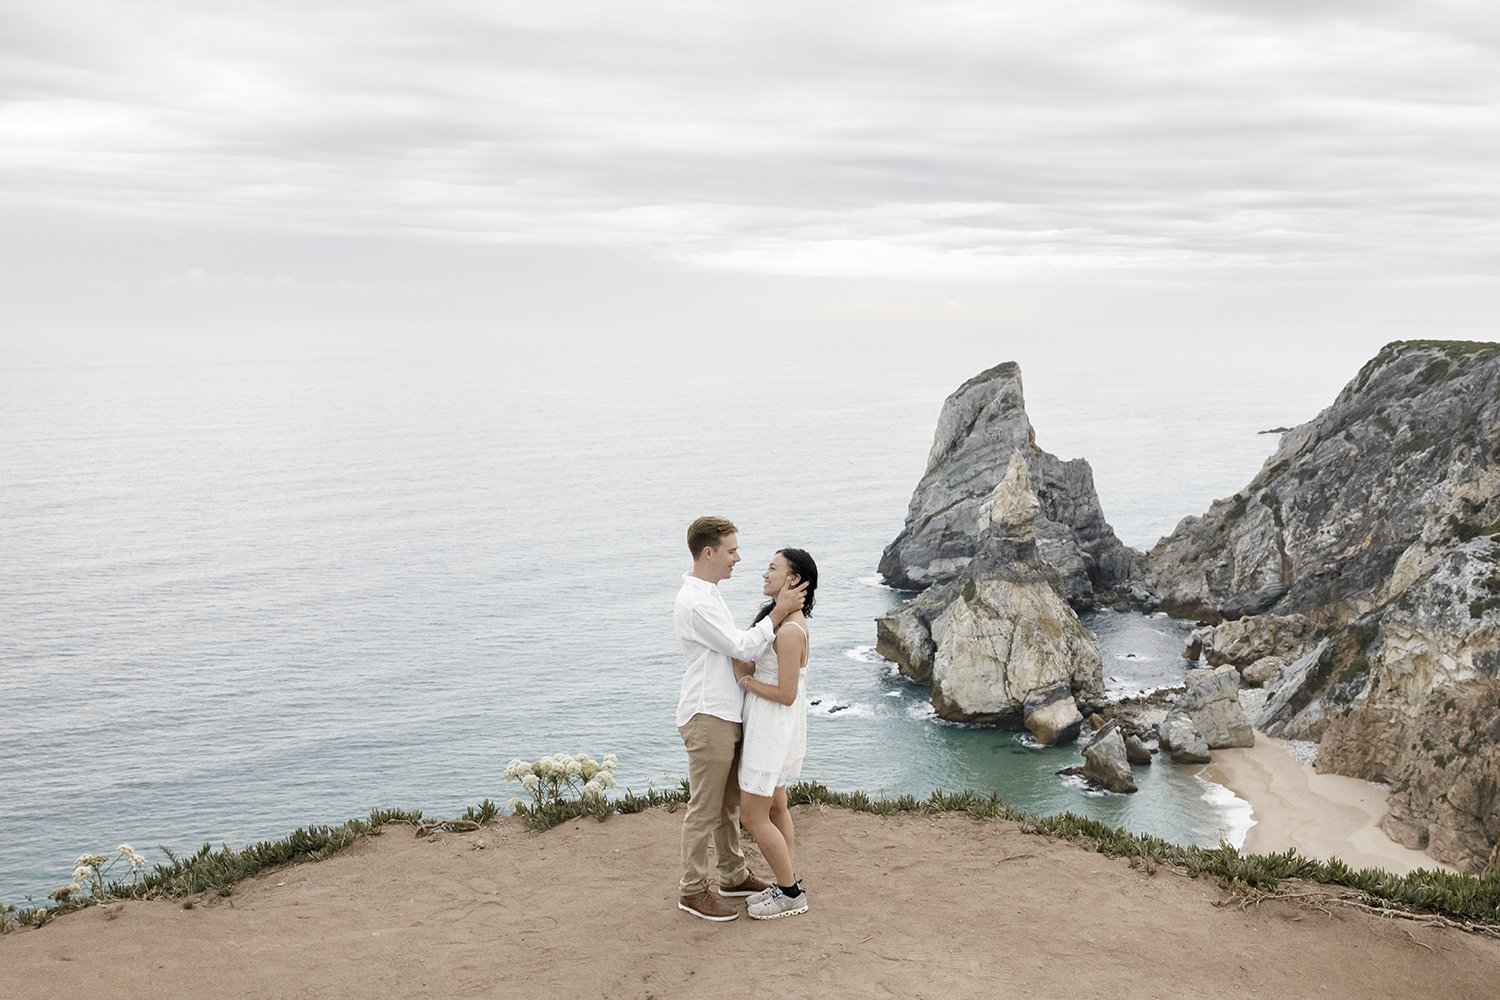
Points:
(232, 169)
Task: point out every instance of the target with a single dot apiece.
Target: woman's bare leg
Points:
(755, 813)
(781, 817)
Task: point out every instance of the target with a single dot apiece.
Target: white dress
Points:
(775, 735)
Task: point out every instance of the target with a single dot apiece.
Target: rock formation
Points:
(1246, 640)
(1136, 752)
(1180, 738)
(1051, 714)
(1357, 503)
(1213, 704)
(1000, 634)
(1105, 760)
(1372, 535)
(981, 426)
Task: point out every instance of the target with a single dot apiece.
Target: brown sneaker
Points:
(749, 887)
(708, 906)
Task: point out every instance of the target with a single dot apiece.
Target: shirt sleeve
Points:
(715, 629)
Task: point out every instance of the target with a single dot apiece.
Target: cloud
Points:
(965, 142)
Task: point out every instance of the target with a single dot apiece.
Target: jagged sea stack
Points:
(982, 424)
(999, 643)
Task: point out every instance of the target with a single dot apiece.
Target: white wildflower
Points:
(610, 761)
(530, 782)
(573, 768)
(591, 792)
(82, 873)
(515, 804)
(135, 861)
(605, 779)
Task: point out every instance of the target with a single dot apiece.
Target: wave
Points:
(832, 708)
(1237, 815)
(1085, 786)
(864, 654)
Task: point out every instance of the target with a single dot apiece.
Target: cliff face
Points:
(1379, 521)
(983, 423)
(1356, 504)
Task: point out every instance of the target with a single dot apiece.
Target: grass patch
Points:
(1465, 898)
(211, 870)
(1439, 370)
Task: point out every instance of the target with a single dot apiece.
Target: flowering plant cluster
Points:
(556, 780)
(88, 875)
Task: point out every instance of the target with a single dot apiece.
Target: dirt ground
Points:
(908, 906)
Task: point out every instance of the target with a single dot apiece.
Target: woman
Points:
(775, 736)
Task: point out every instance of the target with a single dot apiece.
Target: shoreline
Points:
(1322, 816)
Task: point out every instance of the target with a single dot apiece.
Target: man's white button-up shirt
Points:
(709, 640)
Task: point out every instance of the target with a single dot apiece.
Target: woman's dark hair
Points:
(799, 564)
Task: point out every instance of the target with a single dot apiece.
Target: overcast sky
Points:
(235, 166)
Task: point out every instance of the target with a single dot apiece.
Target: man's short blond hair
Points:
(707, 532)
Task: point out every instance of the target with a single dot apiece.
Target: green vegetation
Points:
(211, 870)
(1489, 599)
(1461, 897)
(1439, 370)
(1352, 654)
(1274, 472)
(1272, 501)
(1466, 532)
(1466, 898)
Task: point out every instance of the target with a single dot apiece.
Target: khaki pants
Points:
(713, 812)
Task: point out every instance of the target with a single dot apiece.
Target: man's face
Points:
(721, 558)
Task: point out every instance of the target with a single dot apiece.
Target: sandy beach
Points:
(910, 906)
(1321, 815)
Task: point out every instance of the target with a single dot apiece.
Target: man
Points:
(708, 716)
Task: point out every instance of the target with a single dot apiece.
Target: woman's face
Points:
(776, 576)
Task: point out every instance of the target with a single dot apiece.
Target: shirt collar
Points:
(693, 581)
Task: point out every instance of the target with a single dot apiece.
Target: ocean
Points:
(245, 593)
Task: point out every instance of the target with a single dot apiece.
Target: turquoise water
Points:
(243, 595)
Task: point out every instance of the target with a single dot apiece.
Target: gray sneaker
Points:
(776, 903)
(756, 897)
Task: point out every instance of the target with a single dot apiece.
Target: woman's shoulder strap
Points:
(798, 626)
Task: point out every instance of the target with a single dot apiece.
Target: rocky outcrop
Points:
(1051, 714)
(1266, 670)
(1181, 739)
(1003, 638)
(1136, 751)
(1292, 710)
(1243, 642)
(1213, 703)
(1105, 760)
(1000, 633)
(1371, 538)
(1446, 796)
(981, 426)
(1358, 502)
